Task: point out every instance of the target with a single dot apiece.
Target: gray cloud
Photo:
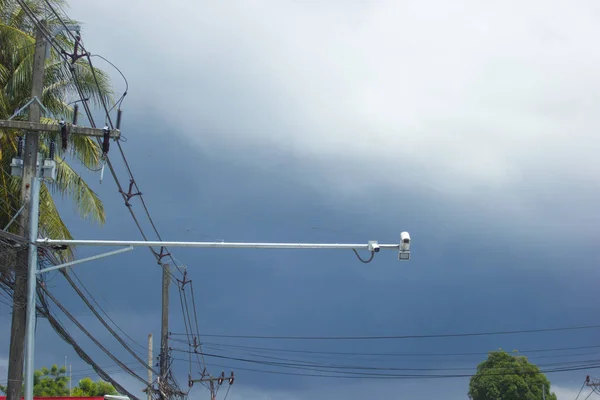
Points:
(474, 102)
(445, 116)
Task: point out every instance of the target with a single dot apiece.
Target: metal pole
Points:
(227, 245)
(84, 260)
(31, 286)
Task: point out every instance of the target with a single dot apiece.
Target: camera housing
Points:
(404, 248)
(374, 246)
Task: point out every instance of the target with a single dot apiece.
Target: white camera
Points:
(405, 241)
(404, 253)
(373, 246)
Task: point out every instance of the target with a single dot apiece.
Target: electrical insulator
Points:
(119, 114)
(221, 378)
(76, 48)
(20, 146)
(106, 141)
(64, 135)
(75, 113)
(231, 378)
(52, 149)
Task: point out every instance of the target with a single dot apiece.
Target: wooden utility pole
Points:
(19, 316)
(150, 366)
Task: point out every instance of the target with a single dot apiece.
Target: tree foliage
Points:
(53, 382)
(88, 387)
(17, 46)
(508, 377)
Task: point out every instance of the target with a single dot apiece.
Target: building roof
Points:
(60, 398)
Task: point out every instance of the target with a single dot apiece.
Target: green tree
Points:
(17, 38)
(53, 382)
(50, 382)
(508, 377)
(88, 388)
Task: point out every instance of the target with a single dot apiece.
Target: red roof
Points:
(60, 398)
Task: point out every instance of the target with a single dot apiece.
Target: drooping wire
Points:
(363, 375)
(394, 354)
(361, 259)
(92, 338)
(120, 100)
(72, 272)
(429, 336)
(62, 53)
(343, 368)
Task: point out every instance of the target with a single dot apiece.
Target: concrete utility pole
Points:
(150, 366)
(19, 316)
(164, 329)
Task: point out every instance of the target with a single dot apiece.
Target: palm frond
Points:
(17, 47)
(51, 224)
(69, 183)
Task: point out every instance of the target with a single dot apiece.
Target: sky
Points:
(469, 124)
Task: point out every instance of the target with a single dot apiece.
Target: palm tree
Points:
(17, 45)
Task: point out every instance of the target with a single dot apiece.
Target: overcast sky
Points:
(471, 125)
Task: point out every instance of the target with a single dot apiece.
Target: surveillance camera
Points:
(373, 246)
(404, 248)
(405, 241)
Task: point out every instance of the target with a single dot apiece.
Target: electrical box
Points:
(16, 167)
(49, 169)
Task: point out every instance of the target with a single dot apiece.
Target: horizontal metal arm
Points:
(214, 245)
(84, 260)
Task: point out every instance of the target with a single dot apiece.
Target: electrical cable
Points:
(43, 309)
(441, 335)
(389, 354)
(291, 363)
(72, 272)
(104, 323)
(580, 390)
(91, 337)
(86, 107)
(361, 259)
(328, 374)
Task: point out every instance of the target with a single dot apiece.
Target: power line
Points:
(292, 363)
(92, 338)
(72, 272)
(388, 354)
(420, 360)
(133, 184)
(432, 336)
(350, 375)
(580, 390)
